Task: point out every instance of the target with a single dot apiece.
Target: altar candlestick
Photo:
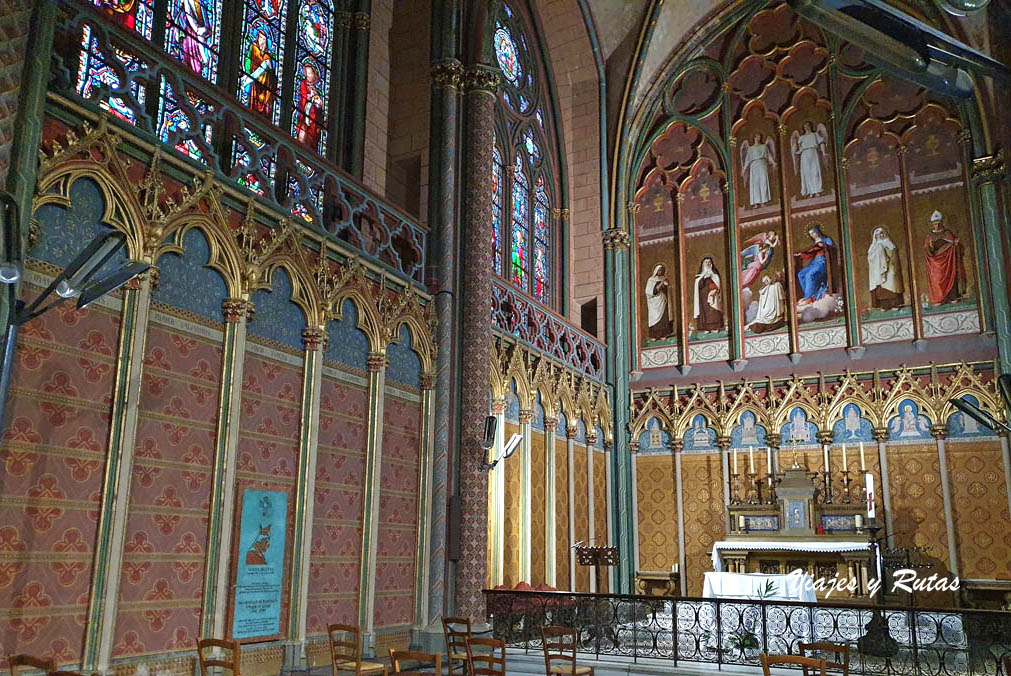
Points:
(869, 482)
(735, 461)
(863, 461)
(751, 459)
(844, 468)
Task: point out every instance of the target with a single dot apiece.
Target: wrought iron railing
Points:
(519, 315)
(918, 642)
(103, 65)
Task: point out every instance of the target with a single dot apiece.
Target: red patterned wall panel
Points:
(562, 539)
(398, 512)
(538, 505)
(979, 508)
(337, 513)
(54, 451)
(270, 420)
(166, 530)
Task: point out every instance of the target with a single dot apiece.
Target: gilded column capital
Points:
(498, 407)
(939, 431)
(482, 78)
(361, 21)
(880, 434)
(615, 238)
(550, 423)
(901, 149)
(773, 440)
(343, 19)
(608, 445)
(571, 431)
(677, 445)
(376, 361)
(824, 436)
(313, 338)
(34, 233)
(526, 416)
(965, 137)
(427, 381)
(633, 446)
(234, 309)
(447, 74)
(591, 438)
(633, 208)
(989, 168)
(723, 442)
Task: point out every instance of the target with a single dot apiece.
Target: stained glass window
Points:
(302, 198)
(496, 210)
(533, 150)
(262, 56)
(193, 34)
(94, 75)
(244, 163)
(520, 225)
(542, 243)
(507, 55)
(175, 118)
(136, 15)
(312, 74)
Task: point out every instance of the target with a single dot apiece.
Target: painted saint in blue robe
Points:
(816, 277)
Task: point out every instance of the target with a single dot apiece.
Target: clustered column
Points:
(480, 84)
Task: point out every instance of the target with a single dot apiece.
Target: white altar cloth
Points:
(754, 585)
(783, 545)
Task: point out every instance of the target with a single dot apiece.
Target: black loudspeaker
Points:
(453, 536)
(490, 423)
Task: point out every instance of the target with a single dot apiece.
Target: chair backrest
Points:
(559, 646)
(230, 660)
(840, 653)
(42, 664)
(481, 656)
(396, 656)
(456, 638)
(793, 660)
(345, 644)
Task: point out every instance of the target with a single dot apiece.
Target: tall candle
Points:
(844, 458)
(735, 461)
(863, 461)
(751, 459)
(768, 456)
(824, 448)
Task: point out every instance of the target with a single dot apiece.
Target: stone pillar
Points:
(480, 84)
(633, 450)
(361, 22)
(1005, 452)
(881, 436)
(422, 570)
(238, 313)
(591, 502)
(115, 498)
(676, 448)
(940, 431)
(496, 498)
(723, 443)
(550, 527)
(987, 171)
(370, 500)
(314, 342)
(442, 206)
(617, 294)
(570, 446)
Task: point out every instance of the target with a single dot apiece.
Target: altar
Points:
(789, 587)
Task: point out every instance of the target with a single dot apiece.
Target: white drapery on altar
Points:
(783, 545)
(759, 586)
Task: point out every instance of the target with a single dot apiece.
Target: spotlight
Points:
(979, 415)
(76, 279)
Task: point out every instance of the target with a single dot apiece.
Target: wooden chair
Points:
(481, 660)
(15, 662)
(794, 660)
(230, 660)
(346, 651)
(840, 652)
(560, 652)
(456, 640)
(396, 656)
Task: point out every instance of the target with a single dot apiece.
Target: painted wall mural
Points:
(789, 198)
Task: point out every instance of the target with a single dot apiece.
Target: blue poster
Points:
(260, 567)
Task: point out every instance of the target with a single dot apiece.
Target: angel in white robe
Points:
(909, 424)
(757, 256)
(809, 147)
(755, 160)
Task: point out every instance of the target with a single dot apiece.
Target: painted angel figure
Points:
(809, 148)
(755, 160)
(757, 256)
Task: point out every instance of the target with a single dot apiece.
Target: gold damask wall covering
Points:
(563, 542)
(657, 512)
(704, 515)
(979, 505)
